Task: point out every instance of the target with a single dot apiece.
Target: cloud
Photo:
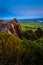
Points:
(10, 10)
(27, 12)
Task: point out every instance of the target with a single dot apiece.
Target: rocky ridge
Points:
(11, 27)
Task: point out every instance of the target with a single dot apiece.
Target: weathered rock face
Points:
(1, 22)
(12, 27)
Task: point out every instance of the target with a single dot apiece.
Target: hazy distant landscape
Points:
(32, 24)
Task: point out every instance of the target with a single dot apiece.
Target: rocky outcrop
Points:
(12, 27)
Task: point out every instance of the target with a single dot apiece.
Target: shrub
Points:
(29, 34)
(39, 32)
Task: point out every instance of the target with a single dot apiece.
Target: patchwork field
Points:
(31, 25)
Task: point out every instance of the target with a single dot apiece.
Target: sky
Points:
(10, 9)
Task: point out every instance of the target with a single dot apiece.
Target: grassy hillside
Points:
(25, 51)
(14, 51)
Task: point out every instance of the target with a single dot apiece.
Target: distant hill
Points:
(31, 20)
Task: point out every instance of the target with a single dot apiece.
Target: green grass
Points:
(31, 25)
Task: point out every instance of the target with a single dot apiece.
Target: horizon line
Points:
(19, 18)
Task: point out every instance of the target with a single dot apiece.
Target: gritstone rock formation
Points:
(11, 27)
